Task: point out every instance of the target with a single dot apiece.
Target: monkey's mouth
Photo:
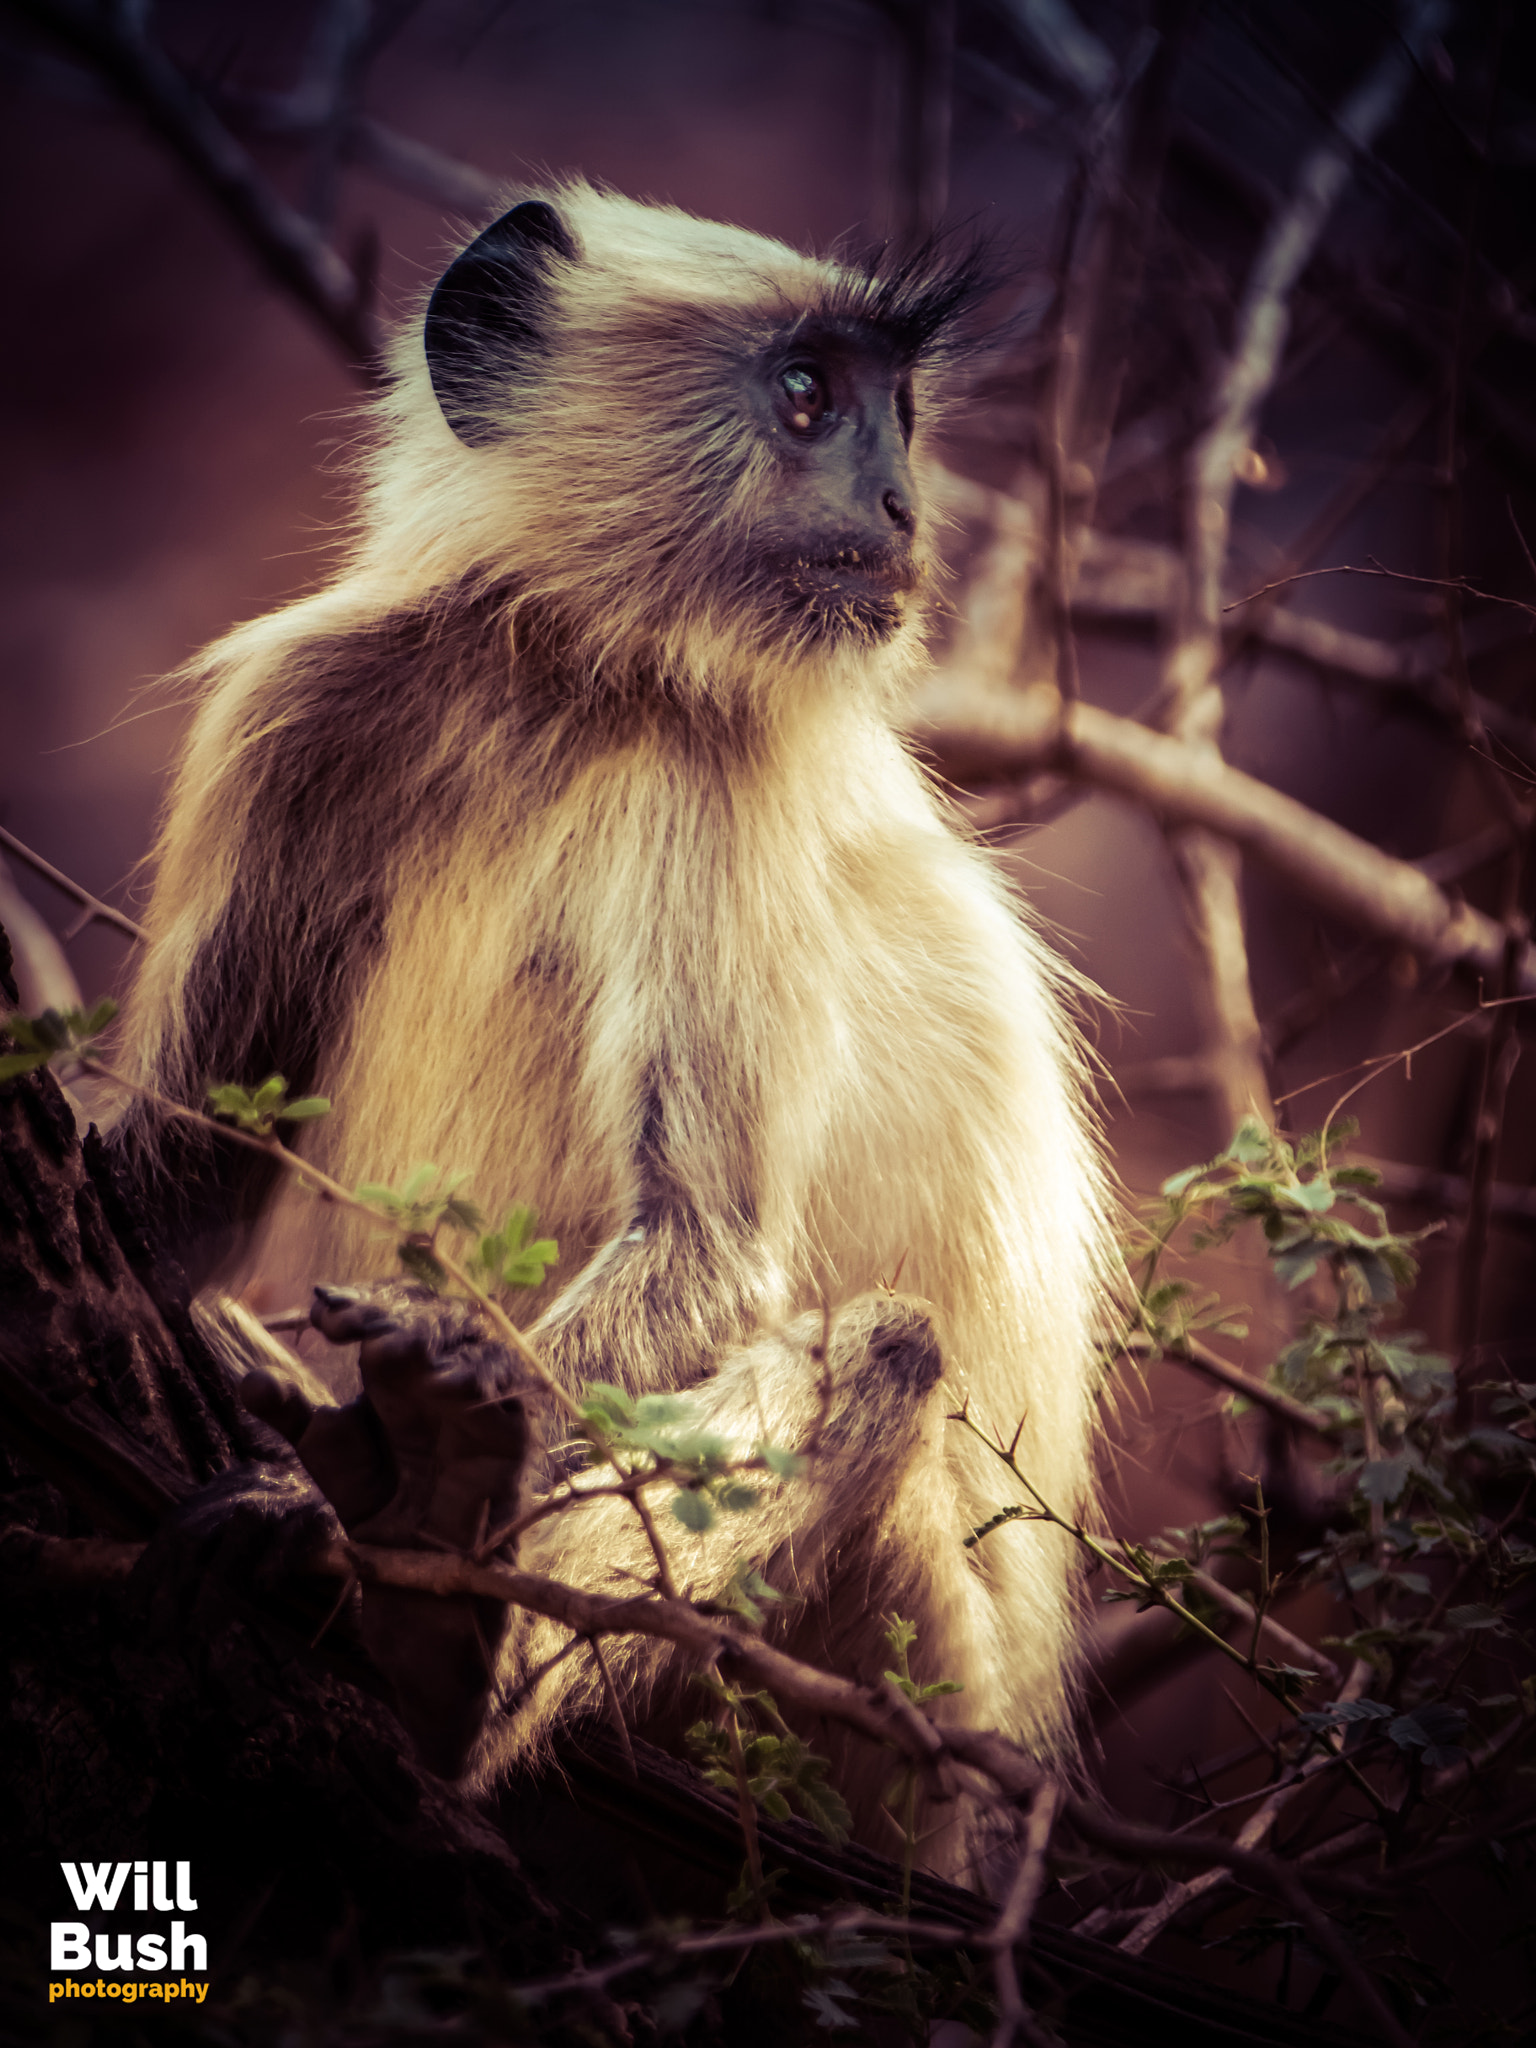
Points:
(888, 569)
(849, 590)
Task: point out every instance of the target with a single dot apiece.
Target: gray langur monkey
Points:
(567, 840)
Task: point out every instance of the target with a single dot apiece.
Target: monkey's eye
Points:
(803, 397)
(906, 411)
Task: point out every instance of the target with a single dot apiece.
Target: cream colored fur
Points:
(729, 891)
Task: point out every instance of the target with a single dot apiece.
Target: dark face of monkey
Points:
(777, 412)
(836, 538)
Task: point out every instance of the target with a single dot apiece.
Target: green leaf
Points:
(306, 1109)
(1173, 1571)
(1339, 1713)
(1435, 1729)
(529, 1267)
(51, 1032)
(1314, 1195)
(1355, 1177)
(782, 1464)
(825, 2008)
(1298, 1262)
(1375, 1269)
(96, 1018)
(693, 1510)
(419, 1262)
(749, 1593)
(1475, 1616)
(1289, 1679)
(1499, 1443)
(1251, 1142)
(1014, 1513)
(1383, 1479)
(821, 1803)
(603, 1403)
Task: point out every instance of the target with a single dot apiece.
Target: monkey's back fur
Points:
(562, 849)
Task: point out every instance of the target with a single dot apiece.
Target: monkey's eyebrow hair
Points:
(915, 303)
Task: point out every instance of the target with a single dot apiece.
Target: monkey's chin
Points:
(830, 606)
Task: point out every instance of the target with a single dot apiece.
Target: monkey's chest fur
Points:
(709, 1002)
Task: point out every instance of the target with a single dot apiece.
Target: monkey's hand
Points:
(429, 1456)
(239, 1545)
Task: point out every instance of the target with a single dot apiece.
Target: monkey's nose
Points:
(899, 511)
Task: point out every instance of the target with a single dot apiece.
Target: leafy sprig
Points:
(53, 1035)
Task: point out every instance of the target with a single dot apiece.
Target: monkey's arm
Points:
(312, 763)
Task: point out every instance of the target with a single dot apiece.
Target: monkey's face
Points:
(834, 538)
(689, 443)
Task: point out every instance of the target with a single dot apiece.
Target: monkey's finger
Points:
(285, 1408)
(346, 1315)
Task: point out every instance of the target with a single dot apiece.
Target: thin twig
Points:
(1374, 568)
(99, 912)
(615, 1711)
(1300, 1651)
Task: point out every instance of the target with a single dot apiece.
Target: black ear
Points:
(483, 321)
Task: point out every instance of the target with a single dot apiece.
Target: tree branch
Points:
(1208, 866)
(972, 736)
(289, 247)
(1265, 1873)
(96, 912)
(1011, 1929)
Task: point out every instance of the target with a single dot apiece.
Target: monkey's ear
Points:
(483, 320)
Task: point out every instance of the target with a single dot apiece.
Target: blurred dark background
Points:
(177, 428)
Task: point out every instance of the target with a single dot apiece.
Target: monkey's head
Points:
(687, 443)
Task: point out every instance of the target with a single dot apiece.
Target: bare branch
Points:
(1298, 1650)
(96, 911)
(1441, 1191)
(973, 735)
(1015, 2020)
(426, 173)
(1263, 320)
(1266, 1873)
(291, 250)
(1250, 1836)
(1064, 44)
(1209, 868)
